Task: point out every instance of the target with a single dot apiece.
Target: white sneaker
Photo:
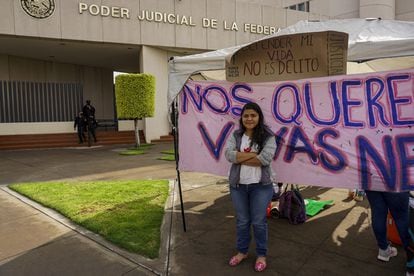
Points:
(385, 255)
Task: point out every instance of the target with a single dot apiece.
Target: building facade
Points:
(55, 54)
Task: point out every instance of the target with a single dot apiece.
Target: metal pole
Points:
(175, 133)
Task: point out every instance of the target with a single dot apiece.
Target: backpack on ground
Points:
(292, 206)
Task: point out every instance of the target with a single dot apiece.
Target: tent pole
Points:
(175, 133)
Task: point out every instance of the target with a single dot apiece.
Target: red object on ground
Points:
(269, 208)
(392, 232)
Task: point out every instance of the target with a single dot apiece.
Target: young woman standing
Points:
(250, 149)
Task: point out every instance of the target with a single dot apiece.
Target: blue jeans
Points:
(250, 202)
(397, 203)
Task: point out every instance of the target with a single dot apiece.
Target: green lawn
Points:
(137, 150)
(132, 152)
(167, 157)
(168, 152)
(127, 213)
(142, 146)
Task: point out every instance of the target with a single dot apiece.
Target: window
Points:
(304, 6)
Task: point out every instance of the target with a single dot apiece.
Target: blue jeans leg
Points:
(399, 209)
(397, 203)
(80, 135)
(259, 200)
(250, 203)
(240, 199)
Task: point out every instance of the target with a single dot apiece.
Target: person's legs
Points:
(379, 211)
(92, 130)
(410, 249)
(240, 198)
(260, 197)
(83, 132)
(398, 206)
(400, 212)
(93, 134)
(80, 135)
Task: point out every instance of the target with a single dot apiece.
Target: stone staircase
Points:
(110, 137)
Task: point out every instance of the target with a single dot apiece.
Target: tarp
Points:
(368, 40)
(344, 131)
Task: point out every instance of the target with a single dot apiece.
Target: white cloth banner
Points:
(350, 131)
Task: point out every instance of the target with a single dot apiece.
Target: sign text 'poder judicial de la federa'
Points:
(173, 18)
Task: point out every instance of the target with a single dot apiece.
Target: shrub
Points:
(135, 95)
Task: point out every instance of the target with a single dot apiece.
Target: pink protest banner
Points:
(354, 131)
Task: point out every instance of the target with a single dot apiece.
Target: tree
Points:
(135, 98)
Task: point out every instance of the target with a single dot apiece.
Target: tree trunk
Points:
(137, 142)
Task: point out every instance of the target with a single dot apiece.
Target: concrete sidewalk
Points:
(35, 241)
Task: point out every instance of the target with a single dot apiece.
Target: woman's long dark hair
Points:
(261, 131)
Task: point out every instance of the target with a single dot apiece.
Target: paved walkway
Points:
(37, 241)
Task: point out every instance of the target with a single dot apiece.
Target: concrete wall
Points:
(404, 10)
(98, 87)
(386, 9)
(377, 8)
(336, 8)
(211, 24)
(7, 17)
(76, 20)
(154, 61)
(4, 67)
(36, 128)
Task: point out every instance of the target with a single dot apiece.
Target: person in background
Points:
(397, 205)
(250, 149)
(88, 110)
(90, 120)
(92, 124)
(80, 125)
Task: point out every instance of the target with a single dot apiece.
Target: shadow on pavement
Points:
(337, 241)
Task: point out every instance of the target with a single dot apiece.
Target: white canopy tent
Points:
(373, 45)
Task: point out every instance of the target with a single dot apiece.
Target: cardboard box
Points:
(290, 57)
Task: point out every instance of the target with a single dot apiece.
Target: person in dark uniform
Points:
(91, 123)
(88, 110)
(80, 124)
(89, 115)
